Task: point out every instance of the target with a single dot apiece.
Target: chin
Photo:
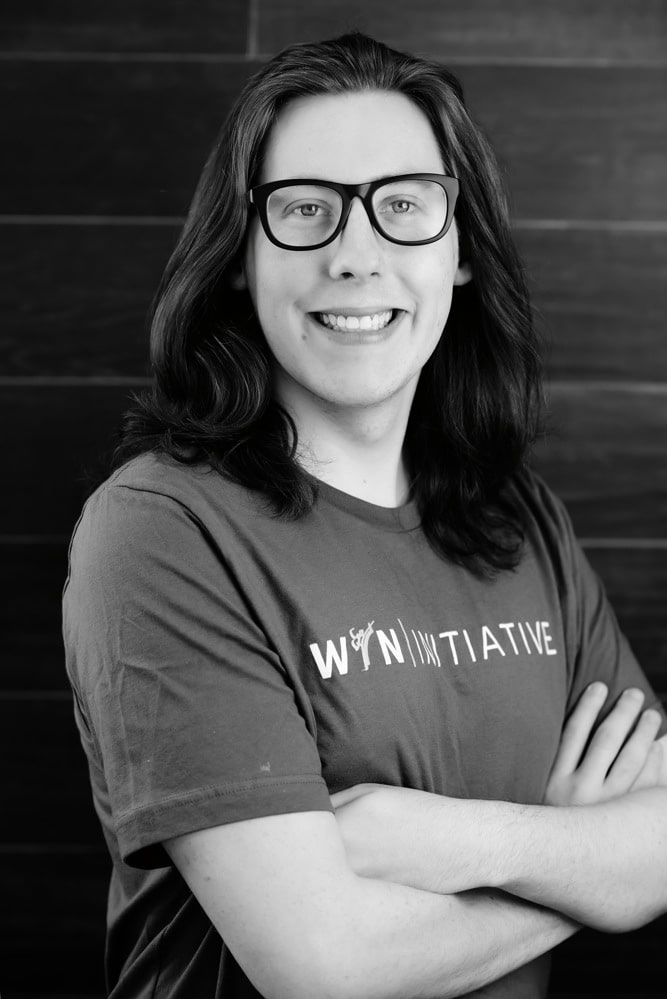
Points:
(363, 396)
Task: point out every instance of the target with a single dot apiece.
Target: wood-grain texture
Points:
(75, 299)
(131, 138)
(110, 112)
(480, 29)
(127, 26)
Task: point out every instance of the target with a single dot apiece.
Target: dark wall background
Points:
(109, 111)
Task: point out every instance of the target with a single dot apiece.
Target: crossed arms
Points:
(408, 893)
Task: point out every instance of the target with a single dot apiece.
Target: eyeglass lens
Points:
(305, 215)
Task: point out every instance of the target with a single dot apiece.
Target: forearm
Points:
(604, 865)
(399, 941)
(300, 922)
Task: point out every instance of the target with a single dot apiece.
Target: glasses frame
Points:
(259, 196)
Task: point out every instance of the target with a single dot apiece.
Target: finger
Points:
(610, 735)
(662, 774)
(631, 759)
(651, 771)
(578, 728)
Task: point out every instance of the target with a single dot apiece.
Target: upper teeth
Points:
(376, 321)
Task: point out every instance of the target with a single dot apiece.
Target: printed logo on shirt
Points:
(456, 647)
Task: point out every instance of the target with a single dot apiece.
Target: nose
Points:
(356, 251)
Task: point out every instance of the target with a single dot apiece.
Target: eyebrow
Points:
(354, 183)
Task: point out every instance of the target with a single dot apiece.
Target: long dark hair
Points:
(478, 402)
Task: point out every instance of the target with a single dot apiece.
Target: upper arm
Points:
(279, 891)
(195, 721)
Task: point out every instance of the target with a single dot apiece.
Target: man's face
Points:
(351, 138)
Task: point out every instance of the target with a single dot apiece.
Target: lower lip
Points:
(353, 338)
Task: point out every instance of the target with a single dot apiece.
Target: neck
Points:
(357, 450)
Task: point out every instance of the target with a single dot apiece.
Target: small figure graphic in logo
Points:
(360, 640)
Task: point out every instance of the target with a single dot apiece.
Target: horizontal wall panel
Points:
(576, 143)
(32, 577)
(479, 29)
(601, 301)
(40, 743)
(131, 138)
(125, 26)
(605, 456)
(123, 138)
(52, 924)
(62, 446)
(603, 29)
(75, 299)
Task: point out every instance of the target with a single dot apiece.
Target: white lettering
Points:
(332, 656)
(407, 642)
(469, 644)
(536, 636)
(428, 643)
(451, 635)
(525, 641)
(360, 640)
(489, 641)
(390, 645)
(548, 639)
(508, 628)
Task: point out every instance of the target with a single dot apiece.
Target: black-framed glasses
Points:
(411, 209)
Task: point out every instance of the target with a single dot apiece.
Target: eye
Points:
(307, 210)
(401, 207)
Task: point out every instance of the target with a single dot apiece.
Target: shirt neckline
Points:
(400, 518)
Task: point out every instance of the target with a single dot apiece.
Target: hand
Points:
(386, 832)
(366, 814)
(417, 838)
(622, 754)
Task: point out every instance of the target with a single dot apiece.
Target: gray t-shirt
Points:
(227, 664)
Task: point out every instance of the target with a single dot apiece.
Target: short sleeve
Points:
(597, 648)
(193, 716)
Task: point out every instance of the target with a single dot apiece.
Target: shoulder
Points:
(154, 485)
(547, 525)
(537, 500)
(159, 475)
(157, 511)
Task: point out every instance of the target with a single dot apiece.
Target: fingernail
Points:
(597, 688)
(651, 715)
(633, 694)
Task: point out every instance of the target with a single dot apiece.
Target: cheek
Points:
(437, 284)
(273, 282)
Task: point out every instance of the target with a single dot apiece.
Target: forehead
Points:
(351, 138)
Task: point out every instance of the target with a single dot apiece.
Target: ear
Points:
(463, 274)
(237, 278)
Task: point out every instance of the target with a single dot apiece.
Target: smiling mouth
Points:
(372, 322)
